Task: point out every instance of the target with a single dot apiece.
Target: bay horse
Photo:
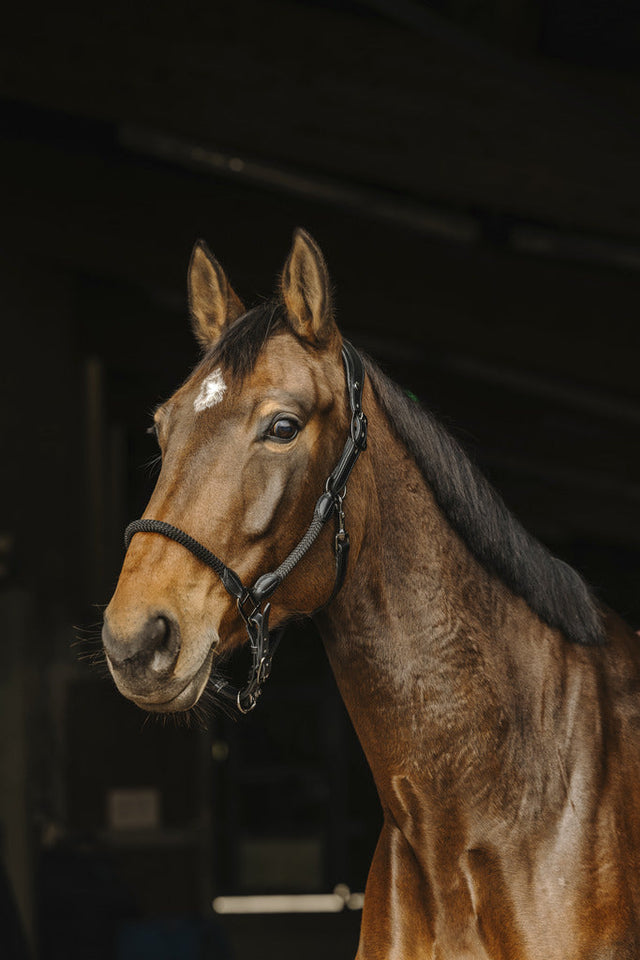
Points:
(496, 700)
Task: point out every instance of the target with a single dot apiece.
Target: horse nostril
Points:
(154, 648)
(162, 644)
(158, 631)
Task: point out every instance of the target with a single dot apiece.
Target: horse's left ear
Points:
(306, 291)
(212, 301)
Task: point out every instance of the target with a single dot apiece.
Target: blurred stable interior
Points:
(471, 173)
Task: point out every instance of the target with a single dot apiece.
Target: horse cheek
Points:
(267, 490)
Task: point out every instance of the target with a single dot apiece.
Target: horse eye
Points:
(284, 428)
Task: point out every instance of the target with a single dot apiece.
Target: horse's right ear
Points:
(306, 291)
(213, 303)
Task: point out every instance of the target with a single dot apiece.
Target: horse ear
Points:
(212, 301)
(306, 291)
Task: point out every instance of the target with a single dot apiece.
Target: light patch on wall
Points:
(211, 392)
(133, 809)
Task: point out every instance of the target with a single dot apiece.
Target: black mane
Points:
(552, 589)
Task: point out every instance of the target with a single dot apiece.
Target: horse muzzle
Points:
(150, 666)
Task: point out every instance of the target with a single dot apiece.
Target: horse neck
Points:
(441, 667)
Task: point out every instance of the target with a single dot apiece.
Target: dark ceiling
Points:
(385, 94)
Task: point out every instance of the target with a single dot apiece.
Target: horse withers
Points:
(496, 701)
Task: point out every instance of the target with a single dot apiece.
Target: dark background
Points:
(471, 169)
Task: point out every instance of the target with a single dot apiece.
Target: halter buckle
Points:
(359, 430)
(248, 618)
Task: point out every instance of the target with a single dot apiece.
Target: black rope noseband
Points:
(251, 600)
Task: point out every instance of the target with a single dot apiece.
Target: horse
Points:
(496, 699)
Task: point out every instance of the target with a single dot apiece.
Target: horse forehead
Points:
(285, 363)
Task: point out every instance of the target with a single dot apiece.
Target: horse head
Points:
(247, 443)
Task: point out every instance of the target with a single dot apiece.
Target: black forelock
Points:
(240, 345)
